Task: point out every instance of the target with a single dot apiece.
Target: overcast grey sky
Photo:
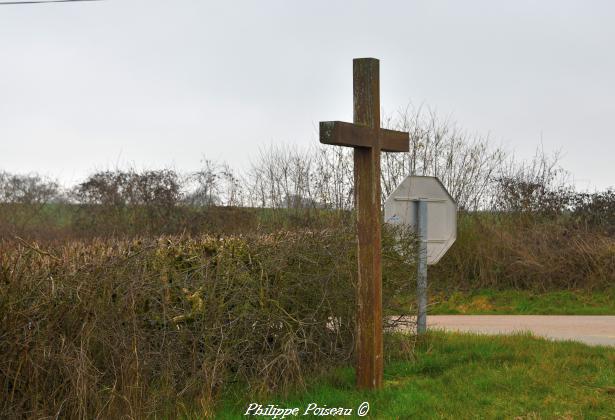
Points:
(159, 83)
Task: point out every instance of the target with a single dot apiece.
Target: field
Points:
(160, 307)
(181, 238)
(460, 376)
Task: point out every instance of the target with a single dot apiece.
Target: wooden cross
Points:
(367, 139)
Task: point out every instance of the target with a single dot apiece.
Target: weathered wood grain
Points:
(368, 139)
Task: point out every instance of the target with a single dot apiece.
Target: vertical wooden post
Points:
(369, 352)
(367, 139)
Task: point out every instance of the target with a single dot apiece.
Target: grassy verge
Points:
(466, 376)
(523, 302)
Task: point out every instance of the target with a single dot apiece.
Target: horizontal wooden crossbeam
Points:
(340, 133)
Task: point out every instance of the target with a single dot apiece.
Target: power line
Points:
(7, 3)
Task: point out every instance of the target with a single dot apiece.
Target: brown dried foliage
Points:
(527, 251)
(109, 328)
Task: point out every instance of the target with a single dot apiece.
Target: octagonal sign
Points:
(401, 209)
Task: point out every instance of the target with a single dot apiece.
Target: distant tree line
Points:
(479, 176)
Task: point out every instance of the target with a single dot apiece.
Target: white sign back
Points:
(400, 209)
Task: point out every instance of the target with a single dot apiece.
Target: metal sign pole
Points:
(421, 276)
(408, 206)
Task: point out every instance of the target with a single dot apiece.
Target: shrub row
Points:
(159, 327)
(526, 251)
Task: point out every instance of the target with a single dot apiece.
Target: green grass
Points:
(464, 376)
(523, 302)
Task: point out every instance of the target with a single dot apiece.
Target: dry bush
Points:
(539, 235)
(517, 250)
(322, 177)
(466, 163)
(27, 189)
(282, 177)
(537, 187)
(213, 185)
(127, 201)
(121, 188)
(160, 327)
(595, 211)
(146, 203)
(25, 202)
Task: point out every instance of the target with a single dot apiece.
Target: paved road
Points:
(585, 328)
